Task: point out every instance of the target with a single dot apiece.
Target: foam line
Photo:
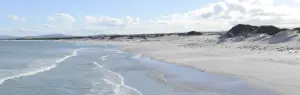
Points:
(137, 56)
(104, 57)
(119, 51)
(98, 65)
(118, 86)
(33, 72)
(74, 53)
(41, 69)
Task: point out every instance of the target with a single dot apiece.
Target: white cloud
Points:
(49, 25)
(131, 20)
(107, 23)
(217, 16)
(104, 21)
(231, 12)
(17, 18)
(63, 17)
(62, 21)
(50, 18)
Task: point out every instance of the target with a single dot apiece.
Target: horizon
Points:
(94, 17)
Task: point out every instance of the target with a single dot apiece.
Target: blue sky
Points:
(115, 8)
(37, 10)
(89, 17)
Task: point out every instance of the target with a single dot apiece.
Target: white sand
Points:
(259, 63)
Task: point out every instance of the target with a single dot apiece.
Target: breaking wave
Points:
(137, 56)
(74, 53)
(28, 73)
(116, 82)
(36, 67)
(103, 58)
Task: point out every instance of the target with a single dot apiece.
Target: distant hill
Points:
(48, 36)
(7, 37)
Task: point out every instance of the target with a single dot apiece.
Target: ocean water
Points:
(61, 68)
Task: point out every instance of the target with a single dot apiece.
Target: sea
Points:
(80, 68)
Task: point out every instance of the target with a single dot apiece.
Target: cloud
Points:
(62, 21)
(216, 16)
(104, 21)
(17, 18)
(231, 12)
(63, 17)
(50, 18)
(49, 25)
(107, 23)
(131, 20)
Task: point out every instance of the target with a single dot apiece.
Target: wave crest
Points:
(36, 67)
(117, 82)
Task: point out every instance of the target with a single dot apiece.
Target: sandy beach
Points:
(150, 47)
(271, 66)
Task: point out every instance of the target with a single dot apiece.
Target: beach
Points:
(271, 66)
(82, 68)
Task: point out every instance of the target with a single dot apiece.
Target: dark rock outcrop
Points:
(245, 30)
(297, 29)
(241, 29)
(130, 37)
(284, 29)
(191, 33)
(270, 30)
(159, 35)
(194, 33)
(114, 37)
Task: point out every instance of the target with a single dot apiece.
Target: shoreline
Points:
(258, 68)
(249, 80)
(201, 70)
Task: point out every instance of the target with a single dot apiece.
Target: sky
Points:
(92, 17)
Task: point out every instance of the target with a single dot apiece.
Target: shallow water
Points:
(57, 68)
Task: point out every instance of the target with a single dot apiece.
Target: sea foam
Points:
(137, 56)
(117, 81)
(74, 53)
(28, 73)
(104, 57)
(36, 70)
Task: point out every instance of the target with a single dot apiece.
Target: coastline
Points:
(278, 88)
(267, 68)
